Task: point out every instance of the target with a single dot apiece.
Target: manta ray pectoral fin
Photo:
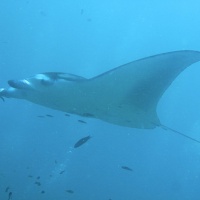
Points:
(136, 88)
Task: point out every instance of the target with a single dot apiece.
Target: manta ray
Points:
(127, 95)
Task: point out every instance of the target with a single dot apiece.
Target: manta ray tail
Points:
(175, 131)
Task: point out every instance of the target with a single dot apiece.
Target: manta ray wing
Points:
(127, 95)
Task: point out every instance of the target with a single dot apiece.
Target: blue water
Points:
(88, 38)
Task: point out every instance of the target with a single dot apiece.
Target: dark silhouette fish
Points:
(81, 121)
(67, 115)
(87, 115)
(126, 168)
(37, 183)
(43, 14)
(10, 195)
(62, 172)
(49, 115)
(42, 191)
(82, 141)
(6, 190)
(70, 191)
(41, 116)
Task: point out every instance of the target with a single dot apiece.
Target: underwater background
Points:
(37, 155)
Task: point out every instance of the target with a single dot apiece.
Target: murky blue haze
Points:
(88, 38)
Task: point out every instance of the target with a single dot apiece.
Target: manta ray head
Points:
(37, 84)
(22, 89)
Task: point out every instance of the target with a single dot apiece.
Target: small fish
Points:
(70, 191)
(126, 168)
(41, 116)
(37, 183)
(38, 177)
(10, 195)
(43, 14)
(81, 121)
(89, 19)
(49, 115)
(87, 115)
(30, 176)
(82, 141)
(67, 115)
(62, 172)
(42, 191)
(6, 190)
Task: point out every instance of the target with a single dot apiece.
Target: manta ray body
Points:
(127, 95)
